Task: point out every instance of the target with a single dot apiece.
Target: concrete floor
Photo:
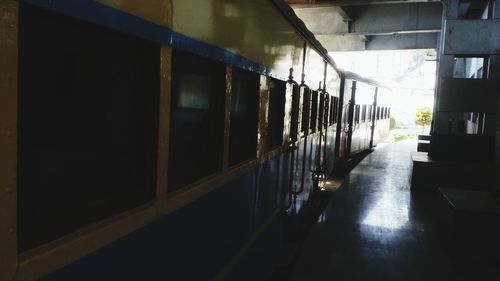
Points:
(373, 229)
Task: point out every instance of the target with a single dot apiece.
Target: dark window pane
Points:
(244, 116)
(276, 114)
(88, 109)
(321, 110)
(306, 110)
(314, 111)
(357, 113)
(197, 119)
(294, 124)
(326, 111)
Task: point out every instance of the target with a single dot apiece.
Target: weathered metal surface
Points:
(263, 118)
(472, 37)
(157, 11)
(8, 137)
(227, 117)
(163, 127)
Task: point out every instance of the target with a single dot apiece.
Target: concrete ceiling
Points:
(355, 25)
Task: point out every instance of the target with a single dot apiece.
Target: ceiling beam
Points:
(336, 3)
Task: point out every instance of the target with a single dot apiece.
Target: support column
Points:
(445, 66)
(494, 76)
(8, 138)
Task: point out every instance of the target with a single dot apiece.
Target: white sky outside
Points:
(410, 74)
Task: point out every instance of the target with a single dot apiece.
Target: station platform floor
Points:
(374, 229)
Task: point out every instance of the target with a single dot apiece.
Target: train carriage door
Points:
(347, 120)
(291, 133)
(314, 124)
(302, 139)
(325, 120)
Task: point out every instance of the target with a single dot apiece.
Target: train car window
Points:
(276, 114)
(363, 113)
(87, 123)
(244, 116)
(196, 119)
(306, 111)
(314, 111)
(321, 110)
(326, 111)
(378, 113)
(294, 124)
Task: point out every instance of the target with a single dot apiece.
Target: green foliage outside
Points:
(423, 117)
(401, 137)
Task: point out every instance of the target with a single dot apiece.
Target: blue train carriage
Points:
(145, 140)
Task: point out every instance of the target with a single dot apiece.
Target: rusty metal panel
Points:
(472, 37)
(163, 128)
(227, 117)
(467, 95)
(8, 137)
(157, 11)
(263, 118)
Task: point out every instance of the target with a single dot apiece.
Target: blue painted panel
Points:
(204, 235)
(94, 12)
(330, 151)
(267, 190)
(91, 11)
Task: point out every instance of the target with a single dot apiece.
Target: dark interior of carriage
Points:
(87, 124)
(197, 119)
